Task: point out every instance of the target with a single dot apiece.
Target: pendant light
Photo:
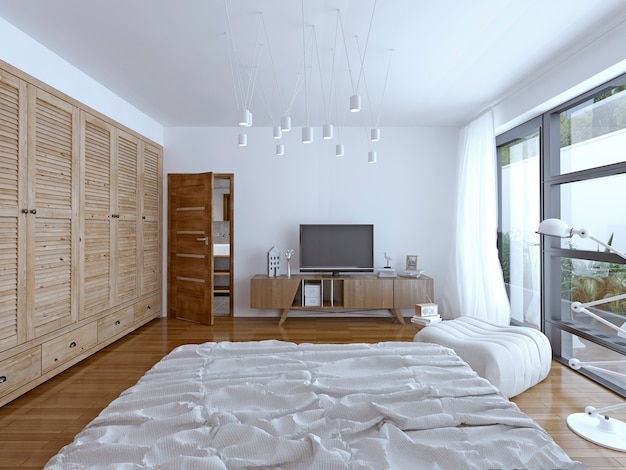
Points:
(245, 118)
(278, 133)
(242, 141)
(339, 150)
(307, 135)
(285, 123)
(280, 149)
(371, 156)
(355, 103)
(327, 131)
(375, 134)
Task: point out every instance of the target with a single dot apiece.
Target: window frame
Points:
(550, 183)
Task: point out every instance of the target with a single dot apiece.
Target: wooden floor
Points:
(35, 426)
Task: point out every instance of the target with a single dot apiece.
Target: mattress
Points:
(274, 404)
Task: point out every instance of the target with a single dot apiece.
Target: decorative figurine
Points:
(388, 258)
(288, 255)
(273, 262)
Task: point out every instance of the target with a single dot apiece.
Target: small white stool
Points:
(512, 358)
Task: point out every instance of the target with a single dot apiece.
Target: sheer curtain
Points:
(475, 283)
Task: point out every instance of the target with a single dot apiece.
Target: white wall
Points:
(408, 194)
(26, 54)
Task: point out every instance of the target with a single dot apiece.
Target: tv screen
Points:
(336, 248)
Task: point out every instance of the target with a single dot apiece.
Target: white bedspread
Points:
(273, 404)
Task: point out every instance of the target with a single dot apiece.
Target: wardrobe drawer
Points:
(68, 346)
(19, 370)
(148, 308)
(115, 323)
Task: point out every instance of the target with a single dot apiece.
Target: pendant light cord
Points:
(380, 108)
(367, 40)
(232, 56)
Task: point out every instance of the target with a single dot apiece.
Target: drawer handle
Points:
(149, 307)
(73, 344)
(33, 211)
(24, 211)
(3, 379)
(117, 323)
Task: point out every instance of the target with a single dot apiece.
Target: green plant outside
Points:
(589, 281)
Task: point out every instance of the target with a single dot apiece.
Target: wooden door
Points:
(150, 232)
(95, 270)
(52, 165)
(124, 224)
(190, 247)
(12, 169)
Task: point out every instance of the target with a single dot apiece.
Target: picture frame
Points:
(411, 263)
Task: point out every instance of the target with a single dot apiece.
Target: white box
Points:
(312, 295)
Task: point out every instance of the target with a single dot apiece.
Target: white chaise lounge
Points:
(513, 358)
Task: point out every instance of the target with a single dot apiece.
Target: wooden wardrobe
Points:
(80, 231)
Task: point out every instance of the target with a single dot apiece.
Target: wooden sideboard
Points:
(325, 293)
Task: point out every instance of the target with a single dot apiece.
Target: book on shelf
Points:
(387, 272)
(426, 320)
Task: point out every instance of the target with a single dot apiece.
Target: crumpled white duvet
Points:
(273, 404)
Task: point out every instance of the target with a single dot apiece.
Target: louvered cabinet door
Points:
(52, 163)
(125, 256)
(96, 216)
(150, 243)
(11, 166)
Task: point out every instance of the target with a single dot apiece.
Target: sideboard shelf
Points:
(357, 292)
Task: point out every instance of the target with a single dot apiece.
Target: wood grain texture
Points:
(36, 425)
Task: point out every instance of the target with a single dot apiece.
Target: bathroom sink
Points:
(221, 249)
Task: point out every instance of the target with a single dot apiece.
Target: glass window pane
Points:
(597, 205)
(520, 218)
(588, 281)
(575, 347)
(593, 133)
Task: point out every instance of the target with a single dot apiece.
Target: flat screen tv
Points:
(336, 248)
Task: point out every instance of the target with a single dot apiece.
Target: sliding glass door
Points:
(570, 164)
(585, 186)
(519, 164)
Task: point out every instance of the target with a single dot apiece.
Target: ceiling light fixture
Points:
(355, 103)
(280, 149)
(327, 131)
(355, 99)
(242, 101)
(245, 118)
(375, 132)
(307, 135)
(285, 123)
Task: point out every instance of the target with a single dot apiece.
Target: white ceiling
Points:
(425, 62)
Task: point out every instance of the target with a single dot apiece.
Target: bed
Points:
(275, 404)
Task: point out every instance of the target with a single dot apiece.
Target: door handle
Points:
(203, 239)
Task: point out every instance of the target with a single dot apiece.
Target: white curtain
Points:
(475, 283)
